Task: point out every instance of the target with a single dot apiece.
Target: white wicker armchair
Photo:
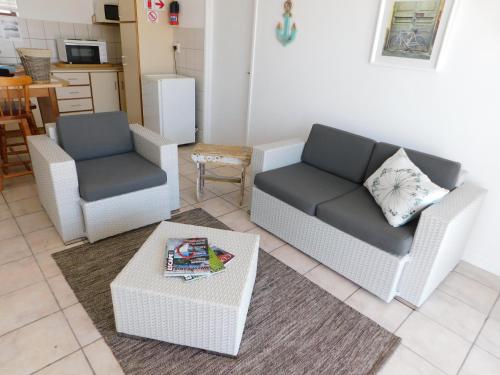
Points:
(57, 183)
(437, 247)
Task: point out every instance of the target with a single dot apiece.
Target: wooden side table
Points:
(203, 154)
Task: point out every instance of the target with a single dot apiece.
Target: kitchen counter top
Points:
(90, 68)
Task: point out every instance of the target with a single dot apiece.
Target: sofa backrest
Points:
(339, 152)
(95, 135)
(442, 172)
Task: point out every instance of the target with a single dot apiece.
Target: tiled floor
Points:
(44, 330)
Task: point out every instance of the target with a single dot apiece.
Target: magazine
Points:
(187, 256)
(218, 259)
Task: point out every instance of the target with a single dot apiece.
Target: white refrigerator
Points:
(169, 106)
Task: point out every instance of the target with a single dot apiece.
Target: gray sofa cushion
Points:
(303, 186)
(339, 152)
(94, 135)
(357, 214)
(441, 171)
(117, 174)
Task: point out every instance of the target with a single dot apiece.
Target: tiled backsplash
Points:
(43, 34)
(191, 63)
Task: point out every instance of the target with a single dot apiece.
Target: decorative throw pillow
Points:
(401, 189)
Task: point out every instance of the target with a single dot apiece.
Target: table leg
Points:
(49, 108)
(242, 187)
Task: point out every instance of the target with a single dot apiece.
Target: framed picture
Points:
(412, 33)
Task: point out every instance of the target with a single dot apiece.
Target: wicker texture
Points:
(437, 248)
(57, 184)
(36, 63)
(208, 314)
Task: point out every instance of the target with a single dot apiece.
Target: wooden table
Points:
(203, 154)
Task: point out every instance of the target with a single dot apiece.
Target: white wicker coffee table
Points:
(208, 314)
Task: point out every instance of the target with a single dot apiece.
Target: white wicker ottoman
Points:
(208, 314)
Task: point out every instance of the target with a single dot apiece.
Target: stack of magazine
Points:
(194, 258)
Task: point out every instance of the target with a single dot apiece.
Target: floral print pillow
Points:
(402, 190)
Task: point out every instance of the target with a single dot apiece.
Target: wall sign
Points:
(287, 31)
(152, 16)
(156, 5)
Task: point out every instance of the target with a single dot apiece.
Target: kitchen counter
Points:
(85, 69)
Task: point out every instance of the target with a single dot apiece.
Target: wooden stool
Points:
(203, 154)
(15, 107)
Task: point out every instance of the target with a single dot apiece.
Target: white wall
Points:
(325, 77)
(192, 13)
(73, 11)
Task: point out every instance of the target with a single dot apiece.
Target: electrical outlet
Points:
(177, 47)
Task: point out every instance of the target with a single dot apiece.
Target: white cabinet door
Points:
(105, 91)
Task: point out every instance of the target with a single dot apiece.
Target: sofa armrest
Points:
(163, 153)
(439, 241)
(57, 184)
(50, 130)
(276, 155)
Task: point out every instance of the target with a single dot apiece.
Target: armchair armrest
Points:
(439, 241)
(163, 153)
(276, 155)
(57, 184)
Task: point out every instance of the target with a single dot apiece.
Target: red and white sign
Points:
(152, 16)
(157, 5)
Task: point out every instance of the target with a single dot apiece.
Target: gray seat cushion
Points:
(357, 214)
(441, 171)
(118, 174)
(303, 186)
(338, 152)
(95, 135)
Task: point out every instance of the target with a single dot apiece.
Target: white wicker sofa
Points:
(118, 190)
(409, 262)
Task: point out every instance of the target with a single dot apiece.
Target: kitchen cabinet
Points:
(105, 93)
(127, 10)
(131, 71)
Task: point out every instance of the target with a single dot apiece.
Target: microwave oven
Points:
(74, 51)
(106, 11)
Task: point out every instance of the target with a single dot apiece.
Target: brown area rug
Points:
(293, 326)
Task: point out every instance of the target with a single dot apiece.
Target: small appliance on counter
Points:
(76, 51)
(169, 106)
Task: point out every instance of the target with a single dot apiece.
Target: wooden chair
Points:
(15, 107)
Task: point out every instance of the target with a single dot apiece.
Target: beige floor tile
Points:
(332, 282)
(478, 274)
(62, 291)
(73, 364)
(17, 193)
(14, 248)
(489, 338)
(438, 345)
(495, 313)
(102, 359)
(2, 200)
(47, 264)
(217, 207)
(480, 362)
(5, 212)
(185, 183)
(388, 315)
(226, 171)
(221, 188)
(469, 291)
(188, 169)
(34, 346)
(406, 362)
(82, 325)
(189, 195)
(25, 306)
(454, 314)
(238, 221)
(295, 259)
(33, 222)
(8, 229)
(25, 206)
(268, 242)
(183, 209)
(235, 198)
(43, 240)
(19, 274)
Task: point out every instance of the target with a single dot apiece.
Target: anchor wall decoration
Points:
(287, 31)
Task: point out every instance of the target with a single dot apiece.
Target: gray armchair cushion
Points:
(118, 174)
(442, 172)
(95, 135)
(357, 214)
(303, 186)
(339, 152)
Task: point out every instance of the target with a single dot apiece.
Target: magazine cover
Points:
(218, 259)
(187, 256)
